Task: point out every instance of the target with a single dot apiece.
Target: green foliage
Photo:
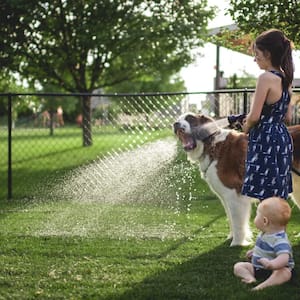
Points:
(245, 81)
(149, 83)
(256, 16)
(20, 105)
(236, 40)
(82, 45)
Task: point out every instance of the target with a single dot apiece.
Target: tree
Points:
(22, 105)
(256, 16)
(81, 45)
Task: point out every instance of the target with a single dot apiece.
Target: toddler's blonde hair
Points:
(276, 209)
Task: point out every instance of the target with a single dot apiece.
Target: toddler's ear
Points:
(266, 221)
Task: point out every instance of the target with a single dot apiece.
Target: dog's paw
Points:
(229, 236)
(243, 243)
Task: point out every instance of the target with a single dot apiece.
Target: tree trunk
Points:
(51, 123)
(87, 121)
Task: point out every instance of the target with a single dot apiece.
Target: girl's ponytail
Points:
(287, 63)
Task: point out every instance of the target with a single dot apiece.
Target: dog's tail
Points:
(296, 190)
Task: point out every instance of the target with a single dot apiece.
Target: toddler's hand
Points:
(249, 254)
(266, 263)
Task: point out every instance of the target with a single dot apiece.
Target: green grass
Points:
(197, 265)
(150, 250)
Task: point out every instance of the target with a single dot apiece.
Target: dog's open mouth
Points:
(187, 140)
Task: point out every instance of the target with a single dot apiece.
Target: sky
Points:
(199, 76)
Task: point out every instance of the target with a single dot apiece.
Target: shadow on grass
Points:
(184, 240)
(208, 276)
(47, 155)
(202, 277)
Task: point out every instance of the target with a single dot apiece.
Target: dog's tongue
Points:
(187, 141)
(188, 144)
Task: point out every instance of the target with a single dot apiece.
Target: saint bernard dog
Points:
(221, 154)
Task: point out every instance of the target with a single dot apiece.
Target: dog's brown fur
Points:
(295, 133)
(234, 148)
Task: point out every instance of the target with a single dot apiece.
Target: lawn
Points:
(52, 251)
(166, 242)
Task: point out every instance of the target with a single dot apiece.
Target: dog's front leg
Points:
(237, 209)
(240, 210)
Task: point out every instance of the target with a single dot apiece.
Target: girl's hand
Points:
(245, 126)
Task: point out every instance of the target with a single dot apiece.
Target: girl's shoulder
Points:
(269, 77)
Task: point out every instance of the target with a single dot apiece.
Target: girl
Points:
(269, 156)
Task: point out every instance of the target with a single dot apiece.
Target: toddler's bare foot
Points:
(257, 288)
(249, 280)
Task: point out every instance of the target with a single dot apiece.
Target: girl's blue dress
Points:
(269, 156)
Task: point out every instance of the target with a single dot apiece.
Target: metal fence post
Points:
(9, 153)
(245, 101)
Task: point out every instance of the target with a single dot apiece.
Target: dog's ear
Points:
(197, 120)
(192, 119)
(203, 119)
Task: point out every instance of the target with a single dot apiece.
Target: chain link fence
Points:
(42, 136)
